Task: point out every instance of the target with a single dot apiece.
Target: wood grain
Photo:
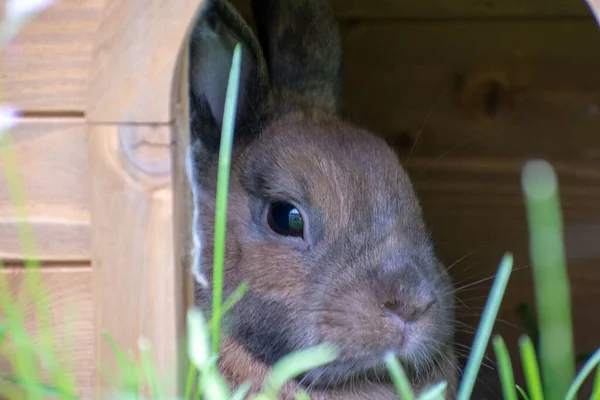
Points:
(135, 56)
(509, 89)
(53, 171)
(183, 206)
(389, 9)
(70, 292)
(134, 107)
(440, 9)
(47, 66)
(137, 285)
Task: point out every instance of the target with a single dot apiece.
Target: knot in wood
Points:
(146, 153)
(484, 94)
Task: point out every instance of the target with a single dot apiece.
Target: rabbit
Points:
(323, 223)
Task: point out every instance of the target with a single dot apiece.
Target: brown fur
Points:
(365, 244)
(239, 367)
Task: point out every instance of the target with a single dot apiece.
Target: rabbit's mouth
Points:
(350, 373)
(365, 339)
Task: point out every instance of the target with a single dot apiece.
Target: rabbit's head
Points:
(323, 223)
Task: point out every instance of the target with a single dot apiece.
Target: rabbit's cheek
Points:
(353, 322)
(272, 270)
(269, 329)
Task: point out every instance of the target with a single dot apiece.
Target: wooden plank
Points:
(386, 9)
(440, 9)
(135, 59)
(47, 66)
(183, 200)
(496, 88)
(54, 174)
(70, 292)
(138, 290)
(133, 102)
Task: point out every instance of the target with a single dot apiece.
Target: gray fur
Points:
(364, 275)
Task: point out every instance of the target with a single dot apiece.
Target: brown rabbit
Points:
(323, 223)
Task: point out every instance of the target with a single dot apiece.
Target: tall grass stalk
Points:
(596, 389)
(583, 374)
(222, 191)
(505, 370)
(552, 293)
(294, 364)
(523, 393)
(399, 378)
(435, 392)
(531, 368)
(482, 336)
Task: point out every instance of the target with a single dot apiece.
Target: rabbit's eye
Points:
(285, 219)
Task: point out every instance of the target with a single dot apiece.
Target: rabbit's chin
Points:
(352, 372)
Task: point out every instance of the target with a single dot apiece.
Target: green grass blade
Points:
(596, 390)
(241, 391)
(3, 330)
(23, 363)
(484, 330)
(148, 368)
(505, 369)
(552, 292)
(295, 364)
(401, 383)
(32, 287)
(125, 395)
(302, 395)
(222, 190)
(190, 382)
(531, 368)
(435, 392)
(522, 392)
(213, 385)
(127, 371)
(232, 300)
(21, 358)
(37, 387)
(587, 369)
(43, 350)
(239, 292)
(198, 339)
(10, 391)
(64, 379)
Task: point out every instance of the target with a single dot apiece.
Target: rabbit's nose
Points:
(410, 309)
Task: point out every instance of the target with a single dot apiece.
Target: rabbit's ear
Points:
(217, 31)
(302, 45)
